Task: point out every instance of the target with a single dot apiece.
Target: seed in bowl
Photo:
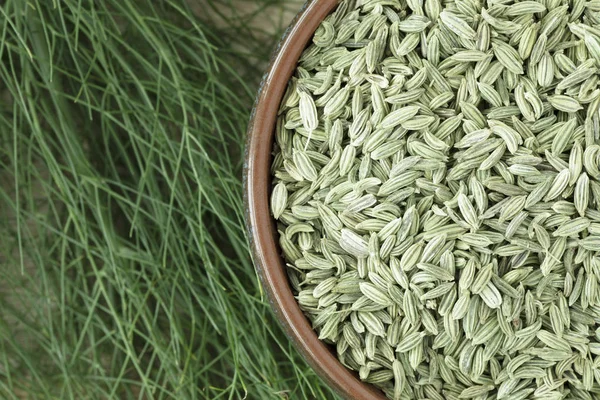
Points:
(437, 195)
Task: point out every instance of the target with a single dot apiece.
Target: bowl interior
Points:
(260, 225)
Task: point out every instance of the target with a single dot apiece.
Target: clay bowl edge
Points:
(259, 223)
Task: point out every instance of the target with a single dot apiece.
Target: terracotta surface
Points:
(260, 225)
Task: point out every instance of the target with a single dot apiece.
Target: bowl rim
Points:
(259, 223)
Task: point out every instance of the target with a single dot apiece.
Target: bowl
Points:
(260, 224)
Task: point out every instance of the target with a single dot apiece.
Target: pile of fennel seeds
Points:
(436, 189)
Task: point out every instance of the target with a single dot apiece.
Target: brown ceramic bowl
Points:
(260, 224)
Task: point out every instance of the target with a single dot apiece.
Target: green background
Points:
(125, 271)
